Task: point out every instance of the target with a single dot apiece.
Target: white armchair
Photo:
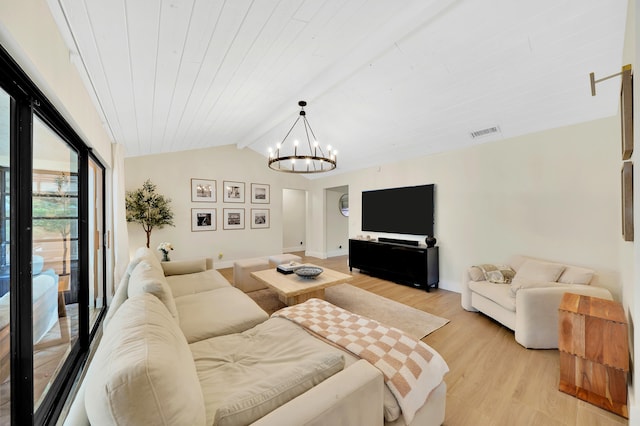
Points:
(528, 305)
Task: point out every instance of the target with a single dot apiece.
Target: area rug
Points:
(412, 321)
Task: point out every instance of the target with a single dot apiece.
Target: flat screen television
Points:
(406, 210)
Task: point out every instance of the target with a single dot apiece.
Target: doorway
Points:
(294, 220)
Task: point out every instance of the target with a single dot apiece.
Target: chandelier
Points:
(300, 159)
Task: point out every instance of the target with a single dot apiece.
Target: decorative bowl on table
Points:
(308, 271)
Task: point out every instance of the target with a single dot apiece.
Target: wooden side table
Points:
(594, 351)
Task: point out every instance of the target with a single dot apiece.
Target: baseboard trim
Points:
(293, 249)
(317, 254)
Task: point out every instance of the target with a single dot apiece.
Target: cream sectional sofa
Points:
(181, 346)
(528, 304)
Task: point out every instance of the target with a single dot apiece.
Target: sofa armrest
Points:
(465, 292)
(182, 267)
(353, 396)
(537, 313)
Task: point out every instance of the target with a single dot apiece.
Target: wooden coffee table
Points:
(293, 289)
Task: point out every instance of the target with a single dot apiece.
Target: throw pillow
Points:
(536, 271)
(575, 275)
(476, 274)
(498, 274)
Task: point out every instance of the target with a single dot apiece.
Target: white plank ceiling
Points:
(384, 79)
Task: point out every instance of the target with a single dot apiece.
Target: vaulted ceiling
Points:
(384, 79)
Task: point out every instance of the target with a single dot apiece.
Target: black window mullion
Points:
(83, 248)
(21, 324)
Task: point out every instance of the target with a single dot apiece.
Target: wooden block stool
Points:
(280, 259)
(594, 352)
(242, 270)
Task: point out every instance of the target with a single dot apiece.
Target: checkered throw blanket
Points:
(410, 367)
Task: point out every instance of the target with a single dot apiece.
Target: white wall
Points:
(554, 195)
(29, 33)
(294, 220)
(337, 232)
(172, 174)
(630, 251)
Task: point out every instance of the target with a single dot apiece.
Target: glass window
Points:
(55, 255)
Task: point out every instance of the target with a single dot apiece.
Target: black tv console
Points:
(412, 265)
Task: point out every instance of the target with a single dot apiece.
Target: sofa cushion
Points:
(576, 275)
(145, 253)
(217, 312)
(249, 363)
(122, 291)
(498, 274)
(146, 278)
(184, 266)
(268, 393)
(536, 271)
(500, 294)
(143, 371)
(197, 282)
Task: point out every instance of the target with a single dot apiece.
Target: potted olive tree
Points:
(148, 208)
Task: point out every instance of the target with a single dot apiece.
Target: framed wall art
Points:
(203, 190)
(260, 193)
(626, 112)
(233, 191)
(627, 200)
(203, 220)
(233, 219)
(259, 218)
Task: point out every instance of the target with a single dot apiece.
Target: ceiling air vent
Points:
(485, 132)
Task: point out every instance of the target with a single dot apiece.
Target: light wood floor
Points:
(492, 380)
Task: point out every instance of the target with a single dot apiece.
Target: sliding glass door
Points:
(52, 261)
